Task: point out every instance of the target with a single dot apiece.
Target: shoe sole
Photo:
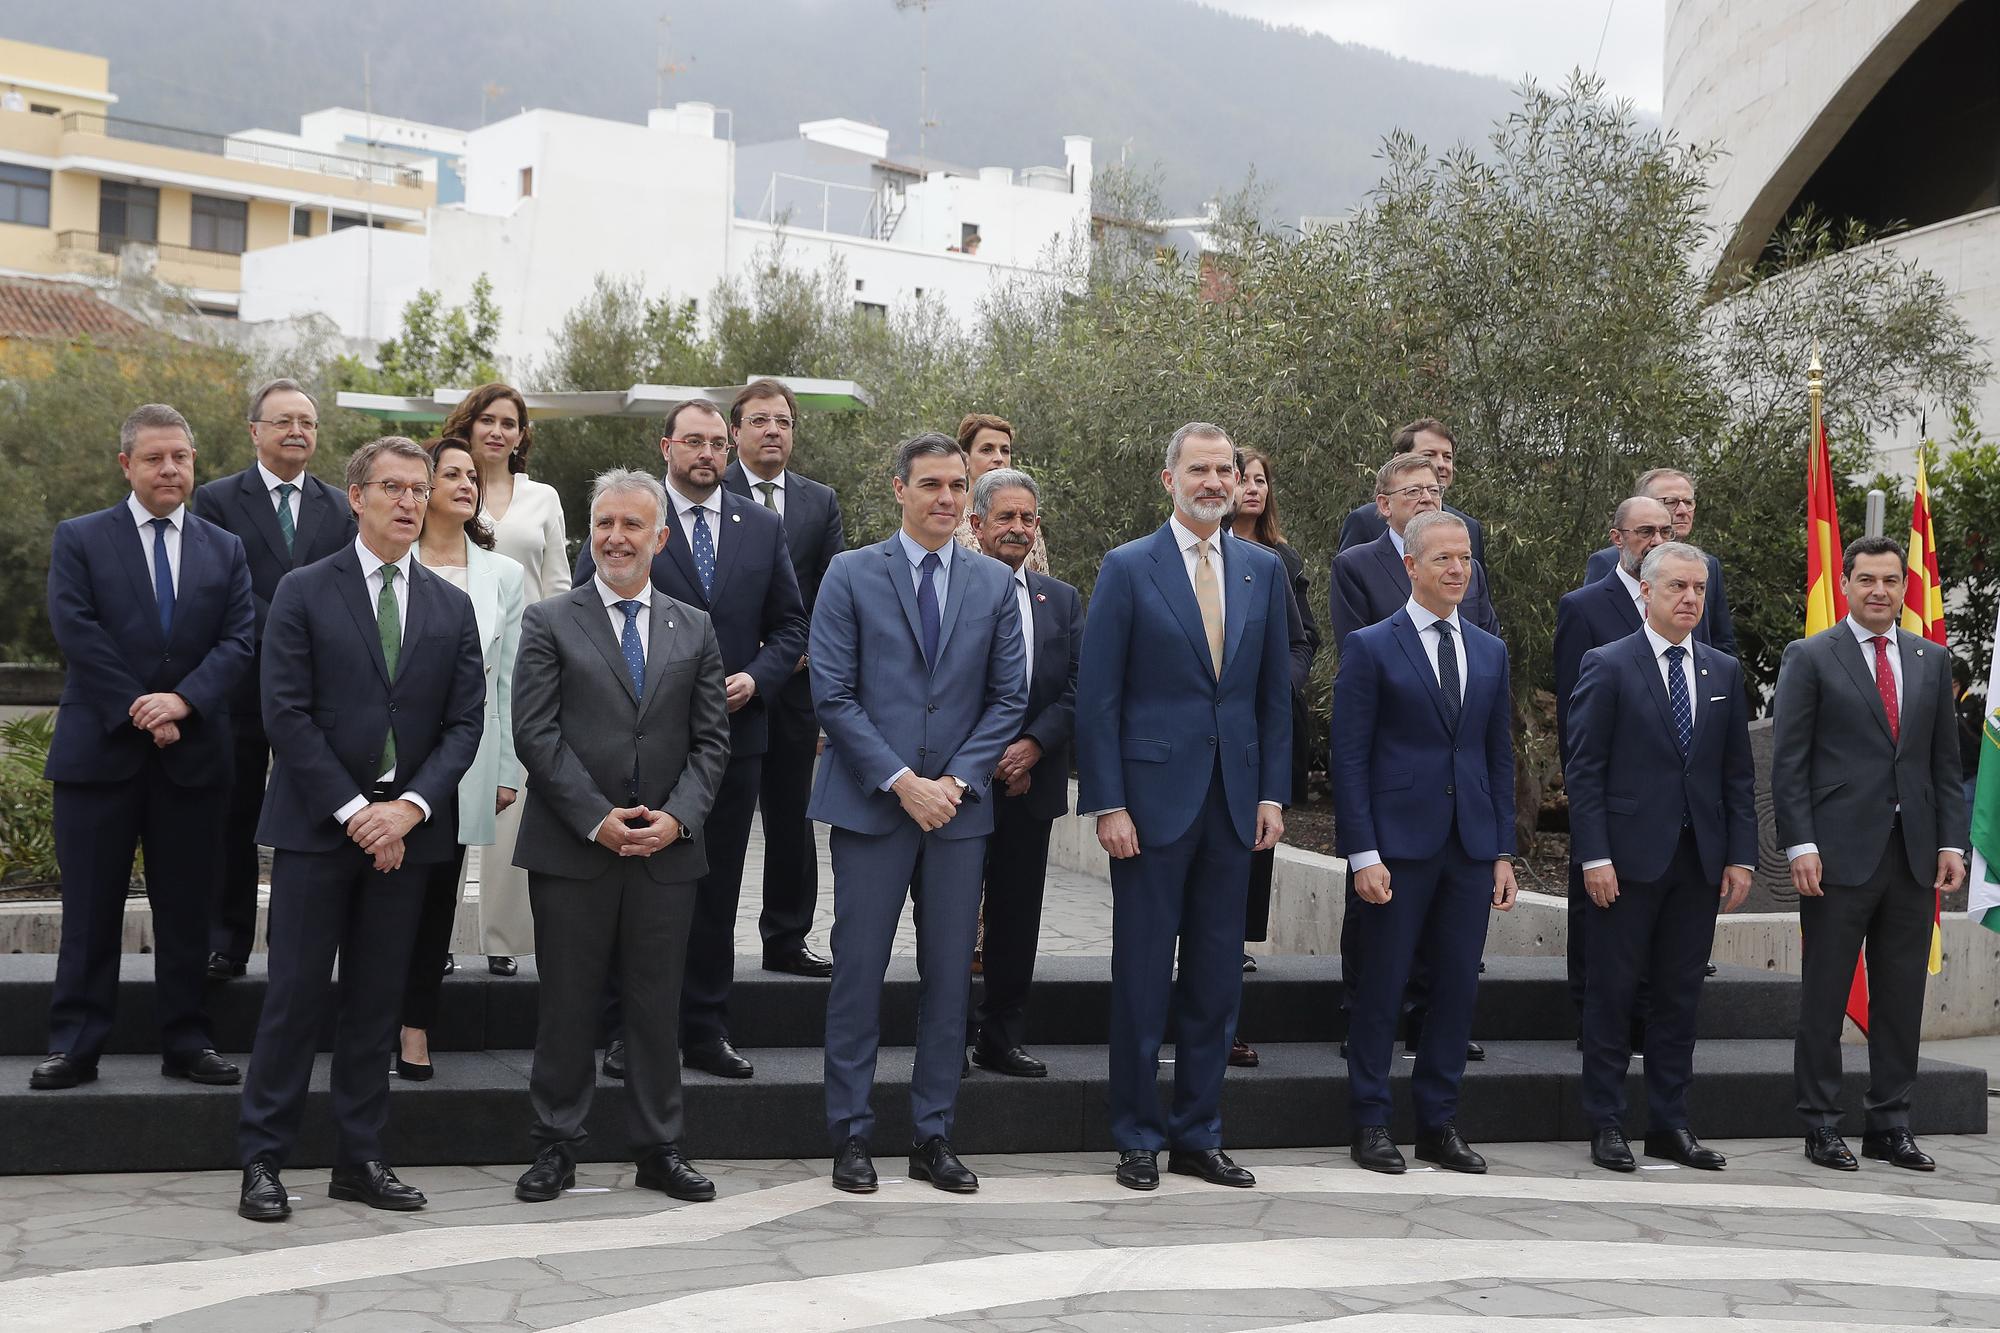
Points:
(1443, 1165)
(1382, 1168)
(256, 1216)
(41, 1085)
(348, 1194)
(919, 1173)
(1832, 1165)
(1878, 1157)
(1141, 1185)
(228, 1080)
(536, 1196)
(857, 1187)
(685, 1196)
(1227, 1184)
(978, 1063)
(1622, 1168)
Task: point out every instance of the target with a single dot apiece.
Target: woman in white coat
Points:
(456, 545)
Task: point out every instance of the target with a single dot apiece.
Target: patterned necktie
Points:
(1448, 674)
(163, 577)
(927, 606)
(770, 493)
(285, 529)
(628, 647)
(1885, 684)
(704, 551)
(389, 625)
(1677, 699)
(1208, 596)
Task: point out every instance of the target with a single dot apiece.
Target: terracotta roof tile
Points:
(31, 309)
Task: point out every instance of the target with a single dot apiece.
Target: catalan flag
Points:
(1923, 615)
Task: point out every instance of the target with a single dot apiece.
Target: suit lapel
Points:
(353, 585)
(264, 515)
(1392, 564)
(661, 648)
(1621, 603)
(131, 550)
(898, 570)
(1405, 632)
(1656, 685)
(1238, 584)
(1044, 625)
(1847, 650)
(680, 552)
(726, 552)
(590, 616)
(1171, 578)
(1911, 649)
(961, 564)
(1705, 684)
(416, 616)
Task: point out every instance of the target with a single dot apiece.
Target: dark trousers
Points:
(328, 905)
(232, 926)
(1186, 893)
(1660, 931)
(583, 929)
(1437, 910)
(711, 941)
(98, 826)
(791, 856)
(1017, 865)
(1579, 923)
(432, 943)
(1416, 992)
(1257, 900)
(1891, 913)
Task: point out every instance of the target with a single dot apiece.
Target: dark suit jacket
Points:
(1051, 716)
(1364, 523)
(1370, 584)
(106, 620)
(1629, 793)
(1600, 612)
(329, 704)
(815, 534)
(1836, 777)
(758, 620)
(239, 503)
(1402, 779)
(1716, 630)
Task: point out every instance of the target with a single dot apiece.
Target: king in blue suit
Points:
(917, 679)
(1184, 754)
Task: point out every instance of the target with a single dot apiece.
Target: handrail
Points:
(239, 149)
(93, 242)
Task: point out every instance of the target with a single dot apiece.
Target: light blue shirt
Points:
(916, 554)
(1396, 540)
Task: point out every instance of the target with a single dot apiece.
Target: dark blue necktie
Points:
(1447, 673)
(927, 607)
(628, 646)
(163, 577)
(1677, 699)
(704, 552)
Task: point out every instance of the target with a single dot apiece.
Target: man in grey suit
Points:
(621, 723)
(917, 679)
(1865, 775)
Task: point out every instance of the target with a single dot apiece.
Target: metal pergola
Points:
(641, 400)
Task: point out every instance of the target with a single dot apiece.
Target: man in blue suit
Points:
(151, 608)
(1433, 439)
(1423, 788)
(1664, 825)
(916, 676)
(726, 556)
(1675, 489)
(1184, 754)
(1370, 582)
(374, 700)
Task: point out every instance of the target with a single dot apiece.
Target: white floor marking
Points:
(1385, 1321)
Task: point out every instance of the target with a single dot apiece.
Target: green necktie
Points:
(285, 493)
(770, 494)
(391, 629)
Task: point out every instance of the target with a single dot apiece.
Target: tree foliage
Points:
(438, 347)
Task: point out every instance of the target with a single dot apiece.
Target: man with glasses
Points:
(725, 555)
(1675, 489)
(1370, 583)
(286, 519)
(1433, 439)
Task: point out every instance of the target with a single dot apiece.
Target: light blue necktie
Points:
(163, 577)
(628, 646)
(704, 552)
(1677, 698)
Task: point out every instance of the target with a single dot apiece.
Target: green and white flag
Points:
(1983, 902)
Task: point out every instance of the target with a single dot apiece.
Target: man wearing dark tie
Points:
(1871, 813)
(1675, 490)
(374, 700)
(1032, 778)
(1423, 787)
(1664, 823)
(917, 677)
(1370, 582)
(1433, 439)
(1184, 755)
(764, 422)
(151, 608)
(286, 518)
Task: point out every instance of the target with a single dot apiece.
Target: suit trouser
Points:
(1438, 910)
(871, 875)
(326, 905)
(1891, 912)
(583, 928)
(1416, 993)
(98, 825)
(1660, 931)
(506, 921)
(431, 944)
(711, 942)
(1188, 892)
(1579, 923)
(1017, 865)
(791, 856)
(232, 927)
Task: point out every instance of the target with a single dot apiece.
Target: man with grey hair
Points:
(286, 519)
(1369, 582)
(1184, 749)
(1674, 489)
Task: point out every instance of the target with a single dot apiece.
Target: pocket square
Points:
(1717, 698)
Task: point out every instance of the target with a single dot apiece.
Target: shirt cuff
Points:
(1804, 849)
(1959, 850)
(1363, 860)
(1596, 865)
(1099, 814)
(1275, 805)
(350, 810)
(894, 778)
(598, 827)
(418, 802)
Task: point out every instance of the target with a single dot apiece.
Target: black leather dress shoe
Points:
(665, 1170)
(1009, 1060)
(450, 964)
(1212, 1165)
(553, 1172)
(801, 962)
(1242, 1055)
(1708, 968)
(221, 968)
(264, 1198)
(1825, 1147)
(614, 1060)
(853, 1168)
(1374, 1150)
(933, 1160)
(1139, 1169)
(206, 1067)
(1680, 1145)
(59, 1071)
(374, 1184)
(719, 1058)
(500, 965)
(1249, 963)
(1897, 1147)
(1474, 1051)
(1445, 1147)
(1609, 1150)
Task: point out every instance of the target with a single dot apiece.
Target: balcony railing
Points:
(238, 149)
(89, 245)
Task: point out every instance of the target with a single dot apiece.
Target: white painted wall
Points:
(332, 276)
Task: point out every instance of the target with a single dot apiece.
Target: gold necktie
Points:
(1208, 593)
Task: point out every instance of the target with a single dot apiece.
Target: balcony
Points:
(238, 149)
(98, 253)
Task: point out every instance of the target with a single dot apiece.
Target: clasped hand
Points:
(932, 802)
(160, 714)
(379, 827)
(634, 830)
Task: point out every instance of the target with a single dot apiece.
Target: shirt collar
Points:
(1660, 643)
(915, 554)
(370, 562)
(713, 504)
(756, 481)
(143, 517)
(1631, 584)
(1396, 540)
(272, 481)
(1021, 576)
(1422, 617)
(1863, 634)
(643, 597)
(1185, 540)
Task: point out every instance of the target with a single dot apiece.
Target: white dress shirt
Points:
(1423, 618)
(756, 489)
(640, 623)
(1024, 602)
(685, 508)
(1396, 540)
(371, 578)
(915, 554)
(1633, 590)
(174, 522)
(272, 481)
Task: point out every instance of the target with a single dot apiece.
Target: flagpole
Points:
(1815, 388)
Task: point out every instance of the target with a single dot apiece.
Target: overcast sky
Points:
(1507, 38)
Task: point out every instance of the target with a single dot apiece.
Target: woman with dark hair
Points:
(526, 520)
(457, 545)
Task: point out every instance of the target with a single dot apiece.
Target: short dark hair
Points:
(459, 424)
(1861, 546)
(764, 388)
(1404, 441)
(931, 444)
(477, 530)
(149, 416)
(974, 422)
(674, 413)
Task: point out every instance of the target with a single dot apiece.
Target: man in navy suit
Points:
(1663, 821)
(764, 421)
(1433, 439)
(374, 700)
(1370, 582)
(1675, 489)
(726, 556)
(286, 518)
(151, 608)
(1184, 754)
(1423, 788)
(916, 674)
(1033, 773)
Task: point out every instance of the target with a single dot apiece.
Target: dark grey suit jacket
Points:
(814, 533)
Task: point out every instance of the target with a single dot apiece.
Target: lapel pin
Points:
(736, 518)
(670, 624)
(1041, 597)
(1704, 671)
(1920, 652)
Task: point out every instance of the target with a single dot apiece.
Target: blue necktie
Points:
(704, 552)
(1677, 699)
(628, 646)
(927, 607)
(163, 577)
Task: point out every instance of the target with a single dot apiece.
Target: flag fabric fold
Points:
(1923, 615)
(1983, 896)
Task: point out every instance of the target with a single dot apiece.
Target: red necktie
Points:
(1885, 684)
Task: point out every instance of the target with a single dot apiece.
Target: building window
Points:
(24, 195)
(221, 225)
(126, 213)
(44, 109)
(527, 182)
(872, 309)
(302, 222)
(342, 221)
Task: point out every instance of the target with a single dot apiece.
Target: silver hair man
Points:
(992, 483)
(1416, 534)
(624, 480)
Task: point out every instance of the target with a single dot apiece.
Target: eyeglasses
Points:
(701, 441)
(396, 490)
(306, 424)
(1419, 492)
(1646, 532)
(759, 420)
(1679, 504)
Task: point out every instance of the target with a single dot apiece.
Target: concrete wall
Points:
(326, 276)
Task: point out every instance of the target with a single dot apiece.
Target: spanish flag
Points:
(1923, 615)
(1826, 604)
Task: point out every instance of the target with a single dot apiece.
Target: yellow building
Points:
(83, 189)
